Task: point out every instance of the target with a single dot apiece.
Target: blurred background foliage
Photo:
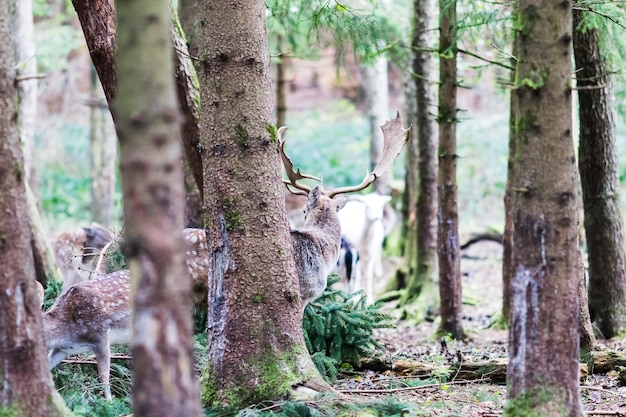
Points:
(330, 140)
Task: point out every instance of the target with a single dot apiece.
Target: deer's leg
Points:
(103, 357)
(55, 356)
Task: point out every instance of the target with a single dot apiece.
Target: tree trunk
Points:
(256, 347)
(448, 225)
(27, 85)
(103, 156)
(587, 337)
(188, 92)
(26, 387)
(421, 282)
(147, 121)
(507, 236)
(599, 173)
(543, 369)
(97, 19)
(377, 87)
(188, 15)
(281, 86)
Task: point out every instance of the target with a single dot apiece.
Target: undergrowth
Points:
(325, 407)
(338, 329)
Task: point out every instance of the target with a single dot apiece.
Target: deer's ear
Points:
(340, 202)
(314, 196)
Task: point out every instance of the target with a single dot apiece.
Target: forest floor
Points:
(436, 392)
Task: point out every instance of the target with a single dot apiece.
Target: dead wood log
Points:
(603, 361)
(493, 371)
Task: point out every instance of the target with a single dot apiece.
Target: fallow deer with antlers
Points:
(316, 245)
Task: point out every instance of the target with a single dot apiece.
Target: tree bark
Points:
(507, 235)
(587, 336)
(599, 173)
(448, 225)
(147, 122)
(256, 346)
(97, 19)
(422, 279)
(26, 387)
(543, 371)
(188, 92)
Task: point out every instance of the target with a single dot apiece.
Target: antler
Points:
(293, 175)
(395, 137)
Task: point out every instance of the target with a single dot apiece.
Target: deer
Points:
(77, 251)
(90, 315)
(317, 244)
(95, 314)
(365, 222)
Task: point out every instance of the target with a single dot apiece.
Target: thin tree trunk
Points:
(377, 87)
(281, 87)
(507, 236)
(26, 387)
(147, 121)
(97, 19)
(255, 313)
(421, 282)
(543, 371)
(448, 224)
(599, 173)
(27, 85)
(103, 142)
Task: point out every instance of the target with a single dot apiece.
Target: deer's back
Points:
(89, 309)
(315, 254)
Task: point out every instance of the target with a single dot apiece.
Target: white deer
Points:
(317, 245)
(364, 224)
(95, 314)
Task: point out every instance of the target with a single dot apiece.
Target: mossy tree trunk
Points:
(543, 370)
(447, 217)
(422, 260)
(148, 126)
(26, 388)
(256, 346)
(599, 173)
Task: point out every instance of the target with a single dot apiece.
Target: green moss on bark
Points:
(537, 402)
(275, 376)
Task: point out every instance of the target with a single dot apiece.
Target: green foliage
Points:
(116, 261)
(77, 384)
(54, 41)
(52, 291)
(309, 25)
(9, 411)
(609, 19)
(340, 326)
